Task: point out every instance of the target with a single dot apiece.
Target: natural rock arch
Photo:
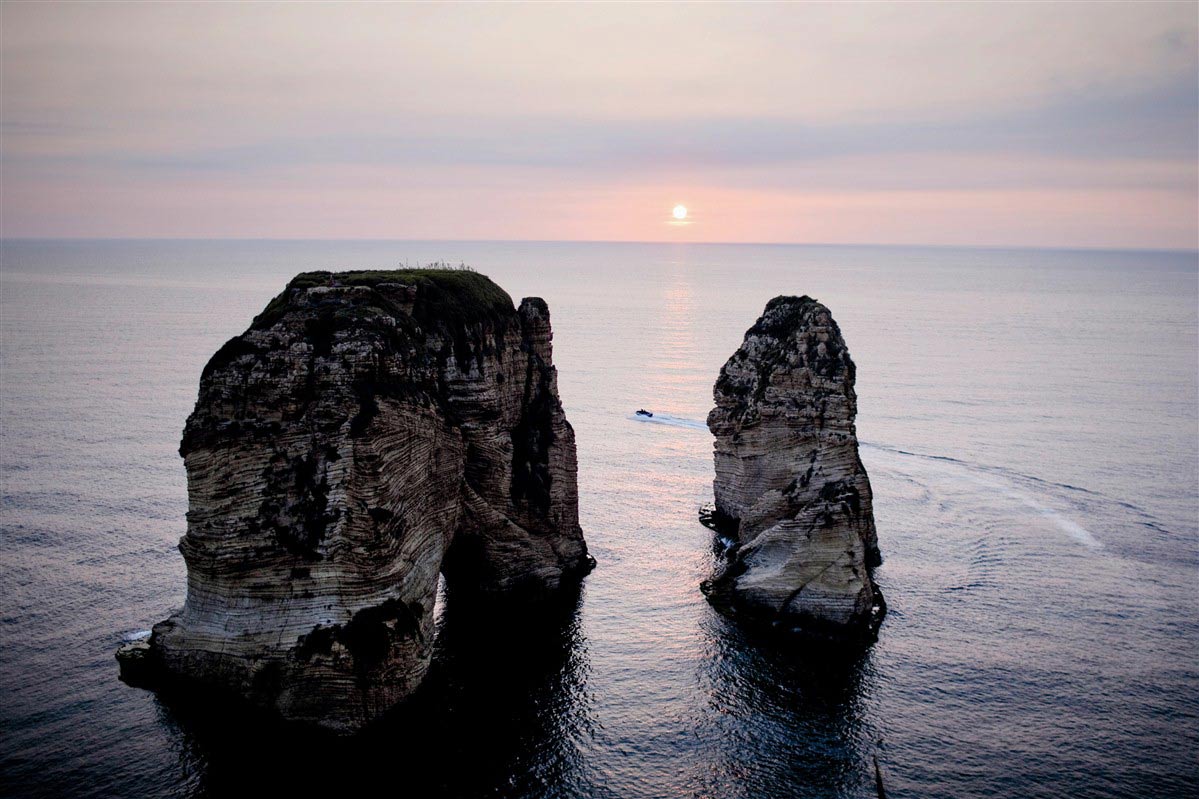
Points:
(370, 430)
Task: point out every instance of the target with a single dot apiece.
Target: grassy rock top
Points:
(448, 296)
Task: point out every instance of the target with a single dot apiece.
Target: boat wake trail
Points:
(1064, 523)
(1007, 483)
(672, 421)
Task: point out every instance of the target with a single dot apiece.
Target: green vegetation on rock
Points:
(448, 296)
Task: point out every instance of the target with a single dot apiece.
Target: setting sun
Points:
(680, 212)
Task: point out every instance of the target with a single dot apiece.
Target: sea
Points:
(1029, 420)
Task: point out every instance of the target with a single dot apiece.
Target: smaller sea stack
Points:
(791, 492)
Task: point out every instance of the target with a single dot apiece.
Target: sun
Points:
(680, 212)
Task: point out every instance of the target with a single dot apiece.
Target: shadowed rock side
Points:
(362, 436)
(791, 492)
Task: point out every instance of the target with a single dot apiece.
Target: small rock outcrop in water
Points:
(368, 432)
(790, 488)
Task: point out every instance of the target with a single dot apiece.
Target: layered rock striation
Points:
(368, 432)
(791, 492)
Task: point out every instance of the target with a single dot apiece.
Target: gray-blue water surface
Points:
(1029, 421)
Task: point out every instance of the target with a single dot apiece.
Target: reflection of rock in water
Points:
(790, 488)
(781, 714)
(501, 713)
(509, 684)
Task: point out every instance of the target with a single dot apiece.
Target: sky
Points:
(1013, 124)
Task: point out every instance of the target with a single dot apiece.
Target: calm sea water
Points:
(1029, 420)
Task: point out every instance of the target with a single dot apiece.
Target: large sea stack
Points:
(791, 493)
(368, 432)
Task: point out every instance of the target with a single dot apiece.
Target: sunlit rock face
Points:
(791, 492)
(368, 432)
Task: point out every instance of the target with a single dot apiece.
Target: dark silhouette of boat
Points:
(644, 412)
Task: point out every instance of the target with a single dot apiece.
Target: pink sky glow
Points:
(1040, 124)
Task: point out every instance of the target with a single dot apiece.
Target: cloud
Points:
(1107, 131)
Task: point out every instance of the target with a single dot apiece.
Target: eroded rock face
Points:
(367, 433)
(791, 492)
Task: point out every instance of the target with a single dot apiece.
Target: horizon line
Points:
(882, 245)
